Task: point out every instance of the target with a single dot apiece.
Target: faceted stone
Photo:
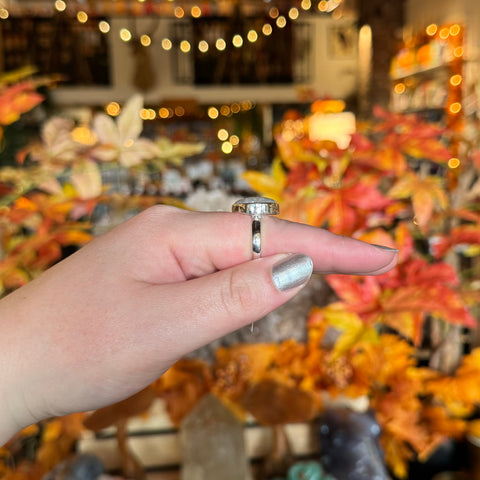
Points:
(349, 446)
(212, 442)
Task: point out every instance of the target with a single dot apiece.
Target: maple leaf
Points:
(345, 209)
(461, 237)
(425, 194)
(353, 329)
(271, 185)
(16, 100)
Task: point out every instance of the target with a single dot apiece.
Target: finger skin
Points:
(107, 321)
(222, 240)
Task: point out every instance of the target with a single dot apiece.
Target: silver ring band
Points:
(256, 207)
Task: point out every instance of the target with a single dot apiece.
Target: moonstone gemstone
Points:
(212, 443)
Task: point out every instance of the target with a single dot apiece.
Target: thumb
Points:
(209, 307)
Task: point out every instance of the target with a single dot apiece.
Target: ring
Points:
(256, 207)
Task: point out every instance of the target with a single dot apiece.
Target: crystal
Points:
(212, 442)
(349, 445)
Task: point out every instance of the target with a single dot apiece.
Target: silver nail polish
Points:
(292, 272)
(383, 247)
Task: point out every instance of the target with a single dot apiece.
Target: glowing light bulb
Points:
(267, 29)
(104, 26)
(167, 44)
(220, 44)
(455, 107)
(222, 134)
(281, 22)
(203, 46)
(237, 41)
(60, 5)
(82, 17)
(455, 80)
(252, 36)
(145, 40)
(125, 34)
(293, 13)
(227, 148)
(453, 162)
(185, 46)
(306, 4)
(431, 29)
(113, 109)
(196, 11)
(212, 113)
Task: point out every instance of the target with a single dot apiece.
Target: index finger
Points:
(200, 243)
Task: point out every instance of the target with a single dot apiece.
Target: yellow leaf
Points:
(270, 185)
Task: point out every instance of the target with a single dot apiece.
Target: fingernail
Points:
(383, 247)
(292, 272)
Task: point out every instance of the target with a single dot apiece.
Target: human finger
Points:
(192, 244)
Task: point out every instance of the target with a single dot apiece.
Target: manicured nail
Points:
(383, 247)
(292, 272)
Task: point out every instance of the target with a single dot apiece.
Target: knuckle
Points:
(237, 296)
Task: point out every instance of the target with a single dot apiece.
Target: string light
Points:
(306, 4)
(196, 11)
(267, 29)
(222, 134)
(179, 12)
(234, 140)
(185, 46)
(281, 22)
(455, 107)
(163, 112)
(213, 113)
(453, 162)
(203, 46)
(167, 44)
(104, 26)
(455, 80)
(220, 44)
(82, 17)
(252, 36)
(145, 40)
(237, 41)
(273, 12)
(454, 30)
(125, 34)
(113, 109)
(431, 29)
(227, 148)
(399, 88)
(60, 5)
(4, 13)
(225, 110)
(293, 13)
(323, 5)
(179, 111)
(444, 33)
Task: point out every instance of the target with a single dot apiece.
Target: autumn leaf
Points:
(464, 237)
(425, 194)
(353, 329)
(270, 185)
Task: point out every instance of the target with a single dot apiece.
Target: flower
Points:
(121, 140)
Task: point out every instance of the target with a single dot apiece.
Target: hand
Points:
(110, 319)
